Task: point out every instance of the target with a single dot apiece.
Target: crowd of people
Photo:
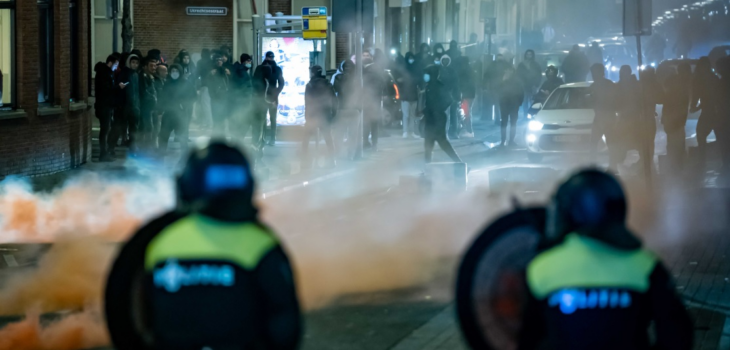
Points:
(142, 100)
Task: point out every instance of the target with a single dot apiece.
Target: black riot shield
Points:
(491, 291)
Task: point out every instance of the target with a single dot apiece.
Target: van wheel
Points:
(534, 157)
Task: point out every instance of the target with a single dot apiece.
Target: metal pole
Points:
(489, 46)
(358, 74)
(115, 32)
(648, 159)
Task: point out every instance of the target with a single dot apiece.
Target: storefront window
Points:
(7, 54)
(45, 51)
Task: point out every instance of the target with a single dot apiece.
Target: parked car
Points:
(563, 124)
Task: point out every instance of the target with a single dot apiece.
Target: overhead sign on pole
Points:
(637, 17)
(314, 23)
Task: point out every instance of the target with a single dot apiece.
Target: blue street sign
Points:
(314, 11)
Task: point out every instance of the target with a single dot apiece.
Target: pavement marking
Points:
(306, 183)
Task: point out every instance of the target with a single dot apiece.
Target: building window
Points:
(74, 30)
(45, 52)
(7, 54)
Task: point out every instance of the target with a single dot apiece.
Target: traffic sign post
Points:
(490, 27)
(314, 23)
(637, 22)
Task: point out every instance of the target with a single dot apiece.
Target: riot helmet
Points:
(217, 182)
(591, 203)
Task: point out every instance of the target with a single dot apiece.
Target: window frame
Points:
(49, 53)
(10, 5)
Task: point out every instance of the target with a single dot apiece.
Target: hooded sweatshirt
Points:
(129, 97)
(411, 77)
(103, 86)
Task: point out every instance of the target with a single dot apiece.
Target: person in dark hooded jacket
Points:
(263, 97)
(653, 94)
(530, 75)
(148, 102)
(678, 89)
(320, 105)
(575, 66)
(105, 102)
(552, 82)
(186, 64)
(372, 95)
(438, 52)
(349, 121)
(423, 59)
(177, 98)
(468, 89)
(408, 88)
(450, 78)
(438, 99)
(127, 114)
(454, 51)
(511, 96)
(629, 112)
(705, 97)
(241, 90)
(276, 86)
(219, 87)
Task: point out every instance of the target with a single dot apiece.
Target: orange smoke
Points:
(78, 331)
(85, 206)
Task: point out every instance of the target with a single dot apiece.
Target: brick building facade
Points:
(164, 25)
(39, 138)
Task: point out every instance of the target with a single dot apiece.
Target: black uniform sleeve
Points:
(283, 323)
(533, 331)
(673, 325)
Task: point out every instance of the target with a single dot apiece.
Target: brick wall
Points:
(164, 25)
(40, 145)
(283, 6)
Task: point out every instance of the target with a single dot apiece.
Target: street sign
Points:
(637, 17)
(314, 23)
(206, 11)
(490, 25)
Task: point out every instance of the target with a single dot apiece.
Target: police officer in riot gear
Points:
(595, 287)
(208, 275)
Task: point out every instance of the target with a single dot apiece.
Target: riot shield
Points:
(491, 291)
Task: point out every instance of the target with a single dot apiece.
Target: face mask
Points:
(438, 63)
(439, 51)
(174, 75)
(427, 77)
(411, 61)
(114, 67)
(248, 65)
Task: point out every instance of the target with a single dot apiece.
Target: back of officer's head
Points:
(590, 202)
(217, 182)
